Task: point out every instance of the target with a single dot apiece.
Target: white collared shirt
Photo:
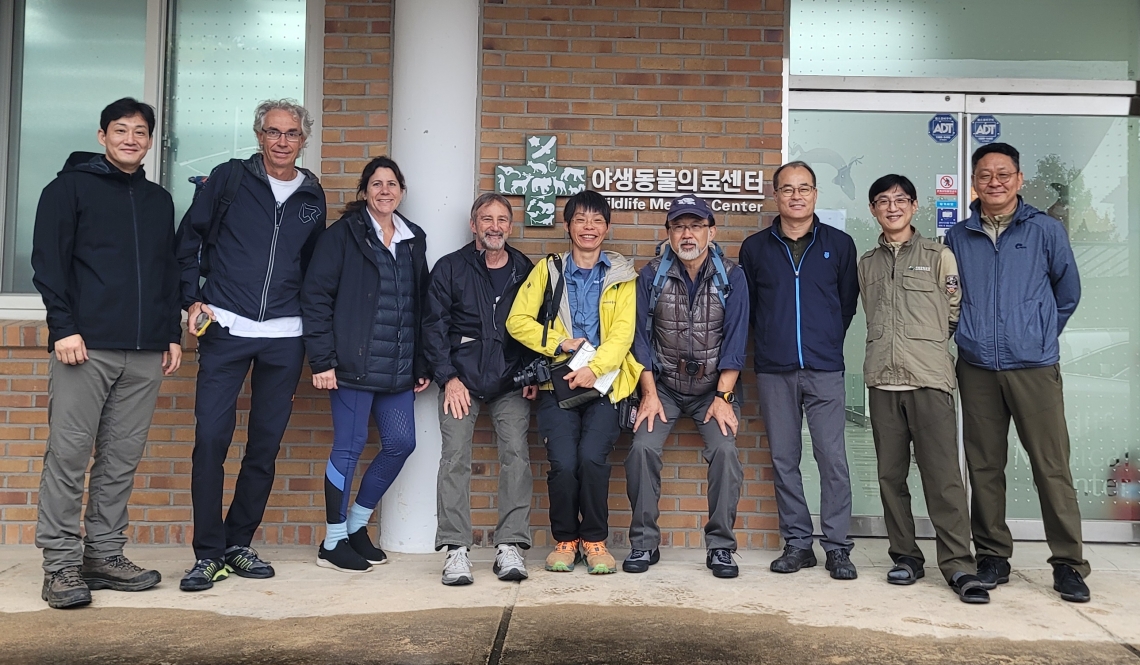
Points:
(401, 233)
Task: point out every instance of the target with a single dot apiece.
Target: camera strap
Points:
(551, 299)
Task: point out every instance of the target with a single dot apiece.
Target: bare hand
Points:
(581, 378)
(572, 344)
(71, 350)
(530, 392)
(325, 380)
(421, 385)
(172, 359)
(456, 399)
(648, 411)
(192, 316)
(724, 415)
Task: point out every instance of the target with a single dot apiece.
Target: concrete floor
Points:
(677, 612)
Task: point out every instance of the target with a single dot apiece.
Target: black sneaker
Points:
(639, 561)
(343, 558)
(244, 562)
(363, 545)
(793, 559)
(65, 588)
(992, 571)
(203, 575)
(117, 573)
(839, 563)
(719, 561)
(1070, 583)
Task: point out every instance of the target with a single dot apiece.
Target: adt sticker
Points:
(943, 128)
(985, 129)
(947, 217)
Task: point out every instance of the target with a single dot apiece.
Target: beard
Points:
(493, 243)
(689, 254)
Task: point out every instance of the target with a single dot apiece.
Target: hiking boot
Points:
(793, 559)
(719, 561)
(65, 588)
(509, 564)
(117, 573)
(1070, 583)
(564, 556)
(992, 571)
(457, 568)
(244, 562)
(839, 563)
(364, 546)
(599, 561)
(203, 575)
(342, 557)
(639, 561)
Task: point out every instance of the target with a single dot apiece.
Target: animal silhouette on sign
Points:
(831, 158)
(520, 186)
(559, 187)
(571, 173)
(541, 185)
(538, 206)
(544, 150)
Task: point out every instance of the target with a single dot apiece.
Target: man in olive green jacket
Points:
(910, 291)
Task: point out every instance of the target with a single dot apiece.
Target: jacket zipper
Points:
(138, 265)
(997, 350)
(796, 269)
(278, 214)
(894, 314)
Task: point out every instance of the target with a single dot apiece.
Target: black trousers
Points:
(223, 362)
(578, 444)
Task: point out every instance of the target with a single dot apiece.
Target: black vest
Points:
(392, 349)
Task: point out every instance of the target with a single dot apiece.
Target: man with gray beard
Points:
(692, 327)
(474, 360)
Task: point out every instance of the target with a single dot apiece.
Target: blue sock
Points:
(358, 517)
(334, 533)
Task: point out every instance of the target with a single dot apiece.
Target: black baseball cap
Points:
(689, 205)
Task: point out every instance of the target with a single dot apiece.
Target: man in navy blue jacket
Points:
(251, 295)
(804, 288)
(1019, 288)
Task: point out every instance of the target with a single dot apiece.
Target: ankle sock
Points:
(334, 533)
(358, 517)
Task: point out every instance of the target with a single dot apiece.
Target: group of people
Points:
(599, 345)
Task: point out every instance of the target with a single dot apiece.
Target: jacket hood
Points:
(97, 164)
(621, 269)
(1023, 212)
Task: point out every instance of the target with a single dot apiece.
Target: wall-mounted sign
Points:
(943, 128)
(985, 129)
(946, 184)
(540, 180)
(632, 188)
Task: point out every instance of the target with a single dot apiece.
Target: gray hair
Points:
(299, 113)
(488, 198)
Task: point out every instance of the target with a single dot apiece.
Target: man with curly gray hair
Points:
(243, 248)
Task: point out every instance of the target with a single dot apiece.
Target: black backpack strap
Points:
(233, 182)
(551, 301)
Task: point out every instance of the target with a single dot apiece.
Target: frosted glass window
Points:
(77, 57)
(227, 56)
(1048, 39)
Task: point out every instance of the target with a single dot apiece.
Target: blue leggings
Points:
(396, 421)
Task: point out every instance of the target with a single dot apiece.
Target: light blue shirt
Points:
(584, 290)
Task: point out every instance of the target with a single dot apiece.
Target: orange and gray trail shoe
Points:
(564, 556)
(599, 561)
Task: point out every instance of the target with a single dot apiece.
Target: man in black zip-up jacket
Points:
(474, 360)
(251, 296)
(103, 255)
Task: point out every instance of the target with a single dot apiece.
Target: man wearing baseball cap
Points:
(692, 327)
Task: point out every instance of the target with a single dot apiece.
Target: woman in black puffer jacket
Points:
(361, 310)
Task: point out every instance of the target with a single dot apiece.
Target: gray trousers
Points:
(106, 403)
(784, 398)
(510, 416)
(927, 418)
(643, 472)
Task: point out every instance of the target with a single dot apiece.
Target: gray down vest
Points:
(684, 331)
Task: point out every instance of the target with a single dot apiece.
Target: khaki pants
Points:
(106, 403)
(925, 416)
(1033, 398)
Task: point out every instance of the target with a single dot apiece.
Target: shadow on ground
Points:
(539, 635)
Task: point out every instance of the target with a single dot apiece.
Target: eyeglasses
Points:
(292, 136)
(680, 229)
(885, 203)
(787, 191)
(985, 177)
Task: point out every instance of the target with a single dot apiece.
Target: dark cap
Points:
(689, 205)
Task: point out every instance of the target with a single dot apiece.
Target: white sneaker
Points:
(509, 564)
(457, 568)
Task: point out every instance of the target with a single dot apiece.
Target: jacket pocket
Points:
(971, 346)
(924, 332)
(1024, 334)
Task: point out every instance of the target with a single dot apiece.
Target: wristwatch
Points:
(727, 396)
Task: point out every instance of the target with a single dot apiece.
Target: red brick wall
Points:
(646, 83)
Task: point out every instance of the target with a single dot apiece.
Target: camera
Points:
(535, 373)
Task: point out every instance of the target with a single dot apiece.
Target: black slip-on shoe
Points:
(719, 561)
(840, 565)
(342, 557)
(992, 571)
(364, 546)
(793, 559)
(639, 561)
(1070, 584)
